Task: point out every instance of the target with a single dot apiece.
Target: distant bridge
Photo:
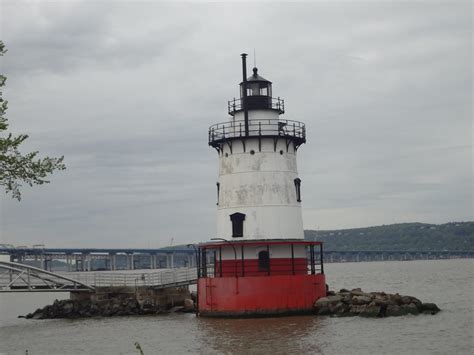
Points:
(15, 277)
(83, 259)
(114, 259)
(387, 255)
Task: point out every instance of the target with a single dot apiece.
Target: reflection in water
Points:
(278, 335)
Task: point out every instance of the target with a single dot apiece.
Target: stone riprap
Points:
(106, 308)
(352, 303)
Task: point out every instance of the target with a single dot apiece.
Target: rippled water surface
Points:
(449, 283)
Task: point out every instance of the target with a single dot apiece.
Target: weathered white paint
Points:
(256, 178)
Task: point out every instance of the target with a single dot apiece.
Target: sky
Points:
(126, 91)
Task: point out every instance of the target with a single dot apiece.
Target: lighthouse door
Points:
(263, 261)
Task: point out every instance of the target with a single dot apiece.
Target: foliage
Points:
(16, 168)
(455, 236)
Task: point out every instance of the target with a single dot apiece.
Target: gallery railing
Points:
(257, 128)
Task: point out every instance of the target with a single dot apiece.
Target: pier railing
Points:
(158, 279)
(20, 278)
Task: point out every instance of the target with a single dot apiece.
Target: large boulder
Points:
(357, 309)
(429, 308)
(370, 311)
(379, 301)
(322, 311)
(325, 301)
(410, 308)
(396, 298)
(395, 311)
(336, 307)
(188, 305)
(362, 299)
(357, 292)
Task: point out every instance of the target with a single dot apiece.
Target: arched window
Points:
(263, 260)
(237, 224)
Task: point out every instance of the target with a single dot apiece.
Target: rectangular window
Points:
(218, 188)
(237, 220)
(298, 189)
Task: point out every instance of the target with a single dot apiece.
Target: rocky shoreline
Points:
(114, 307)
(344, 303)
(356, 302)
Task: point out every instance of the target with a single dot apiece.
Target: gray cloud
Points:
(127, 90)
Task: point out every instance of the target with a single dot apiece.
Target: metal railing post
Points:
(321, 257)
(292, 259)
(269, 262)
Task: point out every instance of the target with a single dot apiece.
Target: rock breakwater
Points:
(356, 302)
(106, 308)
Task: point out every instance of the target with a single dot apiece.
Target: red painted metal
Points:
(259, 295)
(278, 266)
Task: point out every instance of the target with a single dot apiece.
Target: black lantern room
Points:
(256, 86)
(259, 96)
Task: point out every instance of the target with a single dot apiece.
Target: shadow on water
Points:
(278, 335)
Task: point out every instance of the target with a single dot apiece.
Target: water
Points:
(449, 283)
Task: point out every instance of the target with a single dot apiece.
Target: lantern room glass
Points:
(257, 89)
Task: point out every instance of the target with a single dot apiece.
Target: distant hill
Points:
(455, 236)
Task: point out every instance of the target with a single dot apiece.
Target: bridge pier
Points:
(130, 261)
(82, 264)
(170, 261)
(69, 262)
(152, 261)
(113, 261)
(87, 258)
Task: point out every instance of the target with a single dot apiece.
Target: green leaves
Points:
(17, 169)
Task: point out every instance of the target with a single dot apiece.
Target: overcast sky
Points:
(126, 91)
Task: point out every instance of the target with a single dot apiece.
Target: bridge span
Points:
(16, 277)
(76, 260)
(97, 259)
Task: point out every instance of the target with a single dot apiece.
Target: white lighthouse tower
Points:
(261, 249)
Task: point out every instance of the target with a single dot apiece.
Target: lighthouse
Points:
(259, 262)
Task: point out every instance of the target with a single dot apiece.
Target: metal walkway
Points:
(15, 277)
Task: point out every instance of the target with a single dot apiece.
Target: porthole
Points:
(252, 152)
(226, 155)
(281, 152)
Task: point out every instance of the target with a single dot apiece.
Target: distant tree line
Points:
(455, 236)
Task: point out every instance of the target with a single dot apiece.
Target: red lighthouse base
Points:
(259, 295)
(287, 278)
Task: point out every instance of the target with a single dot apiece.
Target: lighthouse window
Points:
(263, 260)
(253, 89)
(237, 220)
(218, 188)
(298, 189)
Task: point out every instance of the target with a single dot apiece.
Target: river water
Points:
(448, 283)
